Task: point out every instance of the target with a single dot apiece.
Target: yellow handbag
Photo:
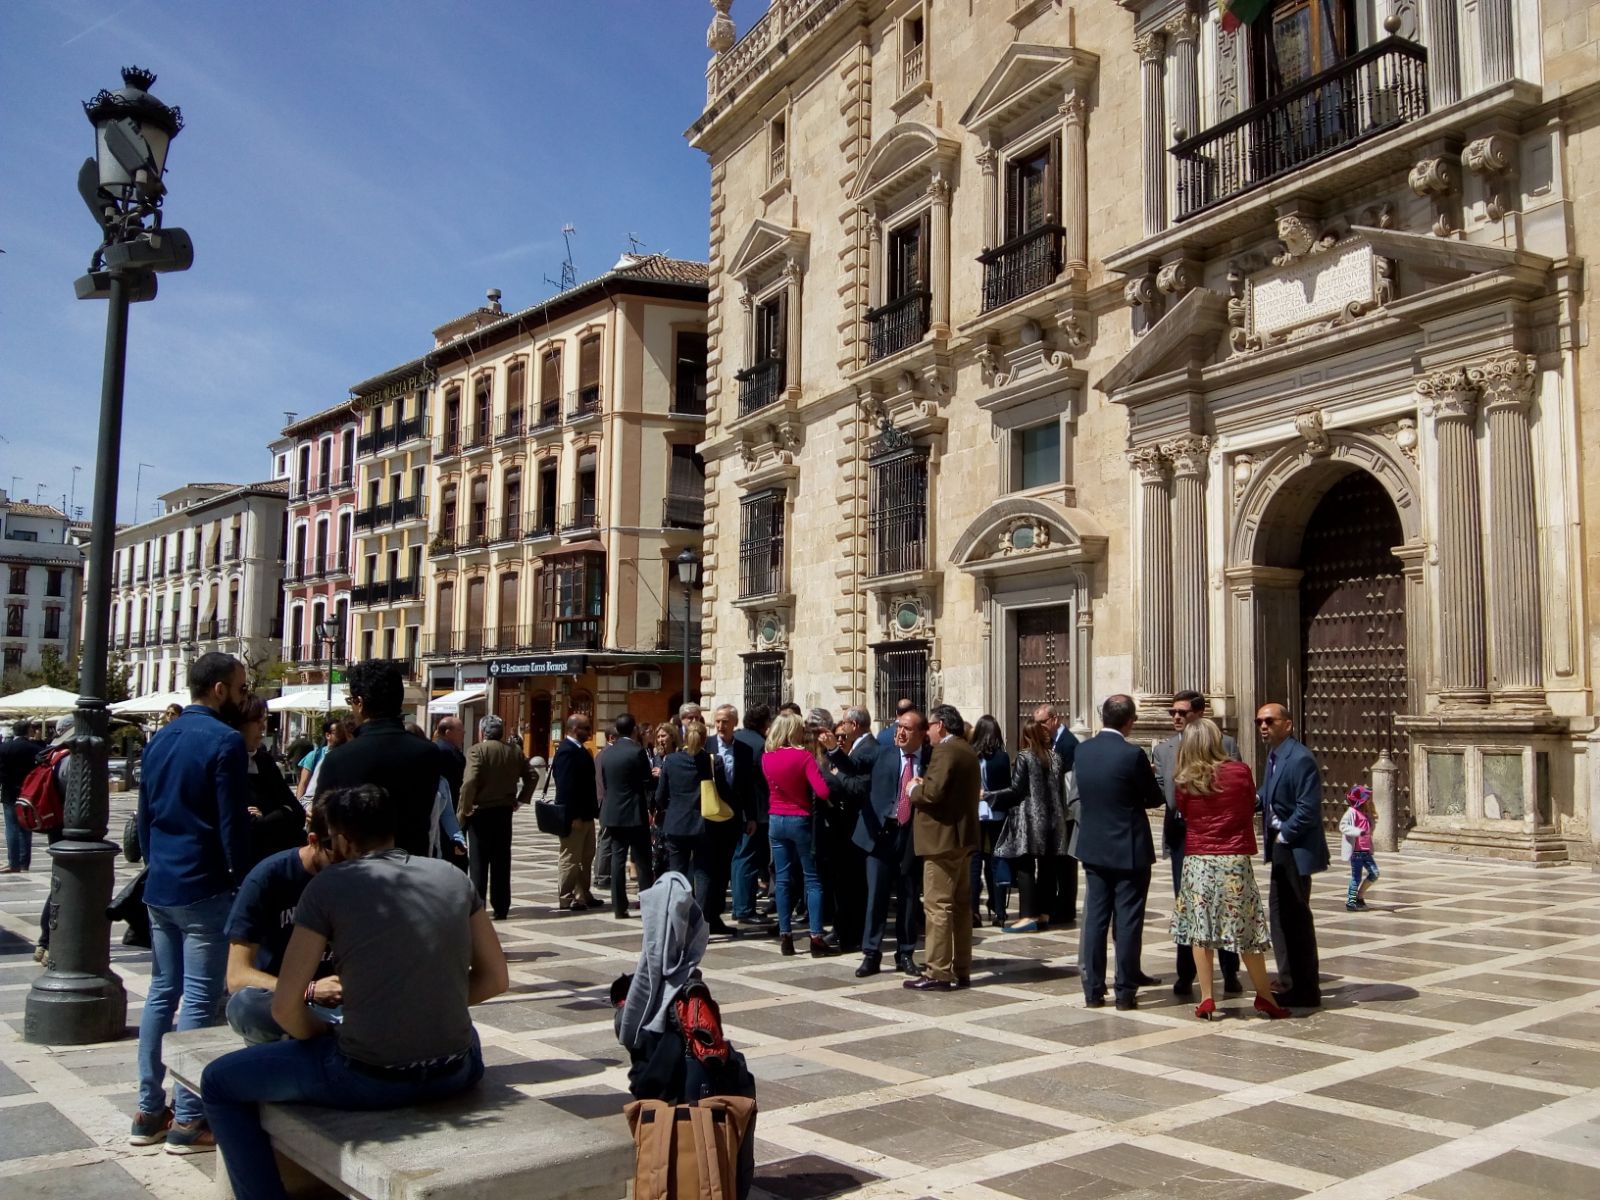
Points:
(712, 805)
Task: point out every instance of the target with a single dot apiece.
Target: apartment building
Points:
(207, 574)
(566, 480)
(321, 542)
(1168, 345)
(42, 569)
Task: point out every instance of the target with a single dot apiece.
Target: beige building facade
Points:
(1058, 350)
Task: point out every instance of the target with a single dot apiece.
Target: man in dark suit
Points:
(945, 833)
(576, 790)
(738, 772)
(1187, 708)
(888, 735)
(883, 834)
(383, 753)
(1065, 745)
(754, 853)
(625, 771)
(449, 735)
(1115, 786)
(1291, 827)
(851, 751)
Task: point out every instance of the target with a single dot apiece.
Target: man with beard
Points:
(194, 831)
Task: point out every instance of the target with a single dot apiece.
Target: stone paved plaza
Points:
(1458, 1058)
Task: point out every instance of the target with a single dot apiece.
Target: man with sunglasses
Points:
(1291, 826)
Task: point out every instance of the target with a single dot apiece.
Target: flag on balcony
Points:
(1235, 13)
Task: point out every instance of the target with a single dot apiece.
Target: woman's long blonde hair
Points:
(1200, 753)
(787, 730)
(694, 736)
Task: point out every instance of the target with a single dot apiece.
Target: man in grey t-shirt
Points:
(415, 948)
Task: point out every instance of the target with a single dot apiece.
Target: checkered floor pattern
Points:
(1457, 1057)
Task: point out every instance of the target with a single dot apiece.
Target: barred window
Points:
(898, 516)
(761, 544)
(902, 672)
(763, 680)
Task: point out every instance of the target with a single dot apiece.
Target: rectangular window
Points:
(685, 505)
(482, 407)
(589, 375)
(689, 380)
(761, 544)
(902, 673)
(571, 601)
(366, 645)
(507, 613)
(1032, 185)
(53, 582)
(902, 319)
(52, 624)
(777, 149)
(13, 658)
(444, 615)
(763, 381)
(452, 420)
(14, 620)
(516, 395)
(898, 512)
(473, 631)
(550, 386)
(1038, 455)
(908, 258)
(763, 680)
(19, 581)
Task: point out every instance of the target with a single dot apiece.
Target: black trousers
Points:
(1186, 967)
(843, 869)
(1121, 892)
(1034, 877)
(707, 862)
(898, 873)
(626, 840)
(489, 845)
(1066, 886)
(1294, 933)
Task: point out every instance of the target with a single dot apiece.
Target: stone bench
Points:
(490, 1141)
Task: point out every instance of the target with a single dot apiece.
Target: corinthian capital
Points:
(1187, 455)
(1074, 108)
(1505, 380)
(1151, 464)
(1449, 394)
(1151, 47)
(1185, 27)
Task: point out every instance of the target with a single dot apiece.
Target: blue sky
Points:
(353, 173)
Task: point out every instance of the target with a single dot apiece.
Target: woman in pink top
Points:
(793, 779)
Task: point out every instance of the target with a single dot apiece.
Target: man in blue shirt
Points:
(194, 830)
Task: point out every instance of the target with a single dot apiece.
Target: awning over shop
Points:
(452, 701)
(155, 702)
(312, 698)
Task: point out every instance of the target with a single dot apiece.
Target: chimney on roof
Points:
(494, 300)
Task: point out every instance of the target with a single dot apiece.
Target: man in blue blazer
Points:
(883, 834)
(1292, 837)
(1116, 784)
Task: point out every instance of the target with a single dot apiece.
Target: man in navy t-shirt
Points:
(258, 932)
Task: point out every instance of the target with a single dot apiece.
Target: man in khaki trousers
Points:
(945, 835)
(576, 792)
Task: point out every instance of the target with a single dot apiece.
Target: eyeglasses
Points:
(1180, 712)
(1266, 720)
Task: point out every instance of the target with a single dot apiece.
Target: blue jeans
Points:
(791, 843)
(1361, 862)
(749, 860)
(250, 1016)
(310, 1072)
(19, 841)
(189, 960)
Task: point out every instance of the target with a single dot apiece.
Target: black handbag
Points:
(551, 815)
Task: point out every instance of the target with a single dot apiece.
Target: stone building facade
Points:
(321, 542)
(1058, 352)
(42, 570)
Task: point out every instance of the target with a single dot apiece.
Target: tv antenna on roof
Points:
(569, 274)
(634, 245)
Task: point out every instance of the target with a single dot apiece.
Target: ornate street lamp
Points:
(79, 998)
(328, 633)
(688, 562)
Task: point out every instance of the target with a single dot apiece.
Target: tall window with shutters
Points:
(761, 520)
(762, 382)
(506, 614)
(902, 319)
(1030, 256)
(588, 399)
(550, 387)
(472, 632)
(444, 615)
(898, 512)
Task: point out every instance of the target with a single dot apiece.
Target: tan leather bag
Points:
(688, 1151)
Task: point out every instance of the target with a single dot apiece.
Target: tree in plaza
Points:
(263, 669)
(58, 672)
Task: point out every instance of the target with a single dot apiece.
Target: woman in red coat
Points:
(1218, 904)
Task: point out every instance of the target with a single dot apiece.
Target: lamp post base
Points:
(79, 999)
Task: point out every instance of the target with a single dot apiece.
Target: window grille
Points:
(763, 680)
(902, 671)
(761, 544)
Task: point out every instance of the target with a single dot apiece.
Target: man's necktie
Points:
(902, 807)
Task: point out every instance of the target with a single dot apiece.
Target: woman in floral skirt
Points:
(1218, 905)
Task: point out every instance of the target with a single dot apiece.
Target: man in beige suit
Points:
(944, 830)
(496, 782)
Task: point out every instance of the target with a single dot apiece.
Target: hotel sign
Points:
(522, 668)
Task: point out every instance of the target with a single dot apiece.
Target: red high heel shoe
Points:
(1270, 1009)
(1206, 1010)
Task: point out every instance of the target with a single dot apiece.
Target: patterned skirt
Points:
(1218, 906)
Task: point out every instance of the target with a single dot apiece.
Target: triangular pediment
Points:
(1018, 531)
(1026, 76)
(1193, 323)
(764, 246)
(906, 150)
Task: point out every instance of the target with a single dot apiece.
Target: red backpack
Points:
(40, 806)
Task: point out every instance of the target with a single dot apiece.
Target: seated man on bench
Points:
(415, 948)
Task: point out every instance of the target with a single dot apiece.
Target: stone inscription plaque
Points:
(1316, 288)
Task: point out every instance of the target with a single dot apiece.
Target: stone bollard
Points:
(1385, 830)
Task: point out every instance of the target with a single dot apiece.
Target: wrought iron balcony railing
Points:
(1021, 266)
(899, 324)
(508, 426)
(585, 402)
(760, 385)
(548, 418)
(1373, 90)
(578, 514)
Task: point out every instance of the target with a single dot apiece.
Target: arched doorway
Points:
(1353, 639)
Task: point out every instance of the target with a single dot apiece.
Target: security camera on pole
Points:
(79, 998)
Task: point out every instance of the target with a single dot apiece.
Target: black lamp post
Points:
(688, 562)
(328, 633)
(79, 998)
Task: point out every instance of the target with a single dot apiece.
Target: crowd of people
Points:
(298, 911)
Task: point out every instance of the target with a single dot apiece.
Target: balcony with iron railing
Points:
(474, 534)
(508, 426)
(344, 478)
(411, 428)
(366, 443)
(505, 529)
(477, 439)
(669, 630)
(541, 523)
(192, 563)
(385, 591)
(899, 324)
(760, 385)
(386, 438)
(323, 485)
(1371, 91)
(547, 420)
(1021, 266)
(390, 512)
(578, 514)
(447, 444)
(443, 541)
(234, 552)
(583, 403)
(686, 511)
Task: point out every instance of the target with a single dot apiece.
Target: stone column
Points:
(989, 164)
(875, 280)
(1152, 50)
(1453, 402)
(1444, 67)
(939, 255)
(1075, 182)
(1155, 573)
(792, 275)
(1495, 42)
(1506, 384)
(1184, 33)
(1190, 586)
(747, 303)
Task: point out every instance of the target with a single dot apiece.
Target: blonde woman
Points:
(794, 784)
(1218, 904)
(697, 849)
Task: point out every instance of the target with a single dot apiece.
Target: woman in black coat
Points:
(277, 822)
(994, 768)
(689, 845)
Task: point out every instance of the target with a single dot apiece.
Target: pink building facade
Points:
(321, 528)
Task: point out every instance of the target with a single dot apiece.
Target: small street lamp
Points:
(328, 633)
(79, 998)
(688, 562)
